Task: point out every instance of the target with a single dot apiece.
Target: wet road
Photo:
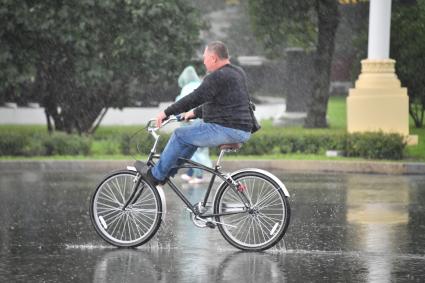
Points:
(344, 227)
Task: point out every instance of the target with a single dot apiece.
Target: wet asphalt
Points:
(344, 228)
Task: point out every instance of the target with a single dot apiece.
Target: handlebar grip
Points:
(179, 118)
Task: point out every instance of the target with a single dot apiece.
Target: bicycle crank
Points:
(212, 223)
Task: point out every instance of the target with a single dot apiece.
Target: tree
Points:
(307, 23)
(408, 49)
(77, 58)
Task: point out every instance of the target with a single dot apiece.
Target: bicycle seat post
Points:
(217, 165)
(227, 148)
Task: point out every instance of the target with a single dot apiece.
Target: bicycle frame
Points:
(215, 173)
(192, 164)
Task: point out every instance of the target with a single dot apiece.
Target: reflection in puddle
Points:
(379, 214)
(160, 266)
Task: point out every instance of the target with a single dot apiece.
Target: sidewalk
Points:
(270, 108)
(363, 167)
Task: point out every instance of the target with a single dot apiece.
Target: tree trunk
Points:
(51, 109)
(99, 119)
(49, 121)
(328, 18)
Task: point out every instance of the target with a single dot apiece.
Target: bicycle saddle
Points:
(230, 146)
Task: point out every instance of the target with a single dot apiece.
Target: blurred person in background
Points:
(189, 81)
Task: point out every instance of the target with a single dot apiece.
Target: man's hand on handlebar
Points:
(160, 118)
(188, 115)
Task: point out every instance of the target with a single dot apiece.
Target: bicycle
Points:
(250, 206)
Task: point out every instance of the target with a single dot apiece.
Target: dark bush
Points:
(64, 144)
(366, 145)
(375, 146)
(35, 145)
(13, 143)
(141, 143)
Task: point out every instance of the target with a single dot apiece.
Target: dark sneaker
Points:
(145, 170)
(152, 179)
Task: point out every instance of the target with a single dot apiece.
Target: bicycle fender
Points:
(268, 174)
(160, 192)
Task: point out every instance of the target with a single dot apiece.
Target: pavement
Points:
(362, 167)
(343, 228)
(270, 107)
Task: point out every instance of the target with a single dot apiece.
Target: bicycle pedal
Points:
(210, 224)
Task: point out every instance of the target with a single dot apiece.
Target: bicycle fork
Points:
(136, 191)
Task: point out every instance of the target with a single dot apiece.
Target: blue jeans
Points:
(185, 140)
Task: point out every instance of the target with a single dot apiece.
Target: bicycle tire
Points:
(132, 227)
(262, 225)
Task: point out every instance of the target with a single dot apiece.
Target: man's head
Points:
(216, 55)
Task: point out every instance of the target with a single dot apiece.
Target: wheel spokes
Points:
(265, 217)
(131, 224)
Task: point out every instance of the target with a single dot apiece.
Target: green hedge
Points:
(375, 145)
(367, 145)
(37, 144)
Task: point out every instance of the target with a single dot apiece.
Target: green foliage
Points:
(281, 142)
(365, 145)
(141, 143)
(375, 145)
(279, 24)
(337, 112)
(113, 141)
(408, 49)
(13, 144)
(417, 151)
(306, 23)
(37, 144)
(84, 56)
(63, 144)
(108, 147)
(129, 140)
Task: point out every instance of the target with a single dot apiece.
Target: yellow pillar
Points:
(378, 102)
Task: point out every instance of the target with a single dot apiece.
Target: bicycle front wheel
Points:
(259, 224)
(132, 226)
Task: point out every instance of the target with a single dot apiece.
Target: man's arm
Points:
(204, 93)
(198, 111)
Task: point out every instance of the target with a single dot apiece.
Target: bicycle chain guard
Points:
(201, 223)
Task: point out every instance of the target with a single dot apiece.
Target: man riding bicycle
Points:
(222, 101)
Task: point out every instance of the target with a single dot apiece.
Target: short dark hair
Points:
(219, 49)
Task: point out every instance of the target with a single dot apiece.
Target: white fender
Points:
(160, 192)
(163, 201)
(268, 174)
(131, 168)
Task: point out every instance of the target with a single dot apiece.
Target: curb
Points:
(363, 167)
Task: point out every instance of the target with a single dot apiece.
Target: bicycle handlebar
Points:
(176, 118)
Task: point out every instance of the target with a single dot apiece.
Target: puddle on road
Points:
(343, 228)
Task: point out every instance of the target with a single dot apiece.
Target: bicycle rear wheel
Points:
(260, 225)
(130, 227)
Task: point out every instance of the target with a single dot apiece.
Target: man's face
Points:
(210, 60)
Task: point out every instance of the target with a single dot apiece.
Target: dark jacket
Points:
(222, 98)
